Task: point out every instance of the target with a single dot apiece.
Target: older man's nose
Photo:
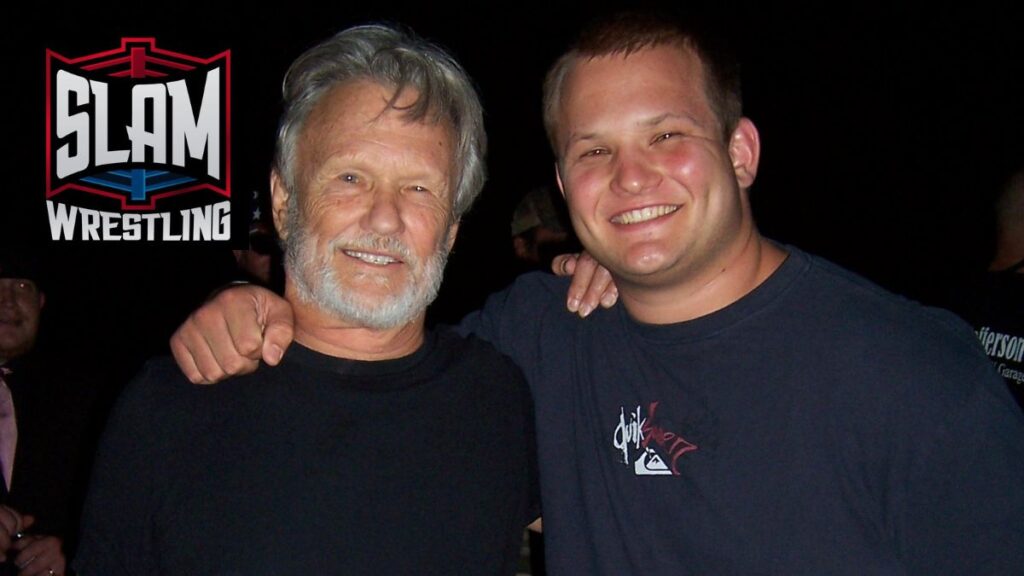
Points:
(385, 213)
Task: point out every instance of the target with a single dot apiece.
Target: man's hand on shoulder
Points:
(592, 284)
(230, 333)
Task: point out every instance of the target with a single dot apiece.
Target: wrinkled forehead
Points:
(360, 108)
(370, 100)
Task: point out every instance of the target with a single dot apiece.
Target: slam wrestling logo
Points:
(138, 145)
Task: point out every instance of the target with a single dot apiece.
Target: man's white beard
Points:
(316, 281)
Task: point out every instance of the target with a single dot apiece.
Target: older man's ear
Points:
(453, 232)
(279, 204)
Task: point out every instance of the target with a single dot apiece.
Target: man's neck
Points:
(728, 279)
(328, 335)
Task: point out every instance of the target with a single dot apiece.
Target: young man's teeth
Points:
(378, 259)
(644, 214)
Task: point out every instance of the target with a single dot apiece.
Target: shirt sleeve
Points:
(965, 513)
(513, 320)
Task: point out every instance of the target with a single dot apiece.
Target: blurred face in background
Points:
(20, 305)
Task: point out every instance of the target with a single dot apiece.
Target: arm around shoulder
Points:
(232, 332)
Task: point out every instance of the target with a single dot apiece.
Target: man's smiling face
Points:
(651, 186)
(369, 232)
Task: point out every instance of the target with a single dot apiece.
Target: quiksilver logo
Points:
(636, 436)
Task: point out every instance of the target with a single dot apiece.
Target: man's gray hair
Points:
(401, 60)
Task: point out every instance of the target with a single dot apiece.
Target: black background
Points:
(886, 131)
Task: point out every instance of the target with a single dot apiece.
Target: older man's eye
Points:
(349, 178)
(666, 136)
(418, 188)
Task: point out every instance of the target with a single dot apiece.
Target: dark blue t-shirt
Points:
(819, 425)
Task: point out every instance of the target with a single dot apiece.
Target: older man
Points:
(377, 447)
(749, 408)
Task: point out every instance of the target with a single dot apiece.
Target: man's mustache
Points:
(375, 243)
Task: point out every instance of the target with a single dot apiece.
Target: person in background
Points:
(46, 431)
(994, 302)
(539, 231)
(259, 262)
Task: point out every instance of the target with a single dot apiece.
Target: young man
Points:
(748, 408)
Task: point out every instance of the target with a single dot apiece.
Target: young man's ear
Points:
(745, 152)
(279, 204)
